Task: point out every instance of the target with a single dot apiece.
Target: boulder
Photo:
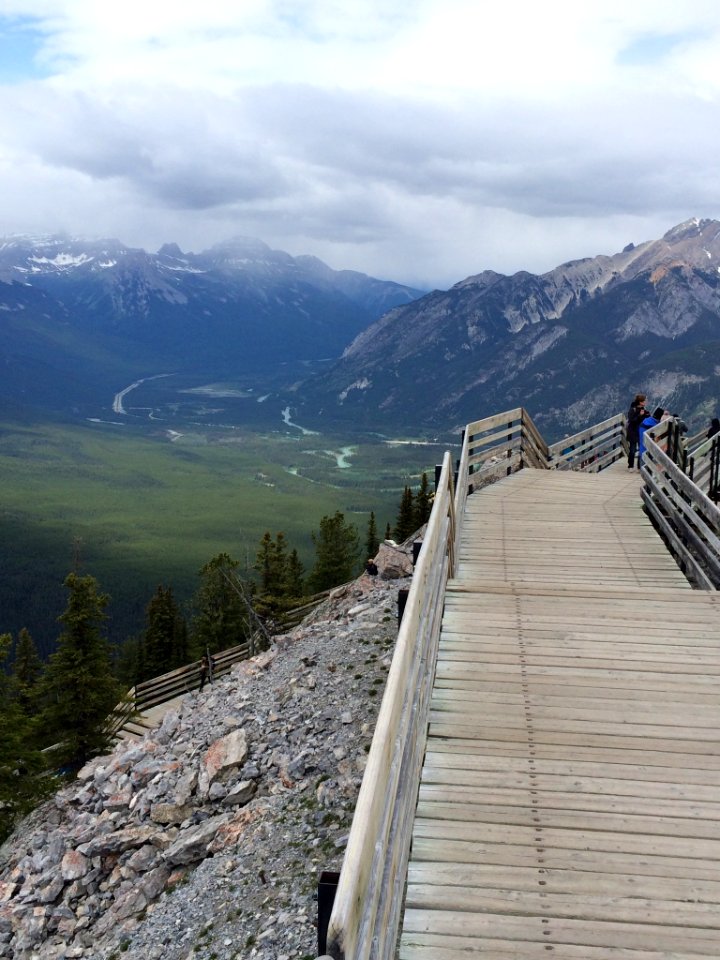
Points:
(224, 755)
(170, 812)
(393, 563)
(74, 865)
(192, 844)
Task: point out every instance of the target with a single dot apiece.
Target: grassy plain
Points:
(137, 508)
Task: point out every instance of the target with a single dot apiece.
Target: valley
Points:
(169, 482)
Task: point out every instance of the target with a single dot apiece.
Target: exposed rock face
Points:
(206, 838)
(588, 334)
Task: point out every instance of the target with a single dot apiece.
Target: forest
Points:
(57, 713)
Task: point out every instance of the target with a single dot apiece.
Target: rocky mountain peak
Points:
(582, 335)
(689, 229)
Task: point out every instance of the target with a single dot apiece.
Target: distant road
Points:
(118, 401)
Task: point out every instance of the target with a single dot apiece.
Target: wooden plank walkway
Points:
(569, 805)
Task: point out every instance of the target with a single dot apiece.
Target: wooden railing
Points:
(593, 449)
(370, 894)
(500, 445)
(702, 465)
(676, 496)
(158, 690)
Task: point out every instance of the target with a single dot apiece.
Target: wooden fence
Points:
(680, 487)
(158, 690)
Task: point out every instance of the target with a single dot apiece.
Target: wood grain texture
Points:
(569, 805)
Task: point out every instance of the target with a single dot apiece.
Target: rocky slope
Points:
(571, 345)
(206, 838)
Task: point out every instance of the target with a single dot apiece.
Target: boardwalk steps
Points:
(569, 795)
(568, 801)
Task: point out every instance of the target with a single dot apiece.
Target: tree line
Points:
(54, 715)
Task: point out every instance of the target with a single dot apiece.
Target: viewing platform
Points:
(544, 780)
(569, 803)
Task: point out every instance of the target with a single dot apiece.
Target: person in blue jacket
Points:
(650, 421)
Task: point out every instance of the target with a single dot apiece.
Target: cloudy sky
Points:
(416, 140)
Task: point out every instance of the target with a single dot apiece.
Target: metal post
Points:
(327, 886)
(402, 601)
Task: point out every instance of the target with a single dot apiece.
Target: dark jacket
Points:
(634, 418)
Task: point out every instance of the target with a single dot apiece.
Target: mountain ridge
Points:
(587, 334)
(77, 314)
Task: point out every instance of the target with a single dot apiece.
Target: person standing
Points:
(714, 428)
(635, 415)
(204, 670)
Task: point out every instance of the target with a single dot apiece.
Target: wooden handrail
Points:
(593, 448)
(369, 897)
(683, 512)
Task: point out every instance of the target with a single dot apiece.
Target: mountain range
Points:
(77, 315)
(571, 345)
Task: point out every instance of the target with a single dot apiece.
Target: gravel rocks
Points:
(206, 839)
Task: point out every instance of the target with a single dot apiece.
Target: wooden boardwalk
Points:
(570, 799)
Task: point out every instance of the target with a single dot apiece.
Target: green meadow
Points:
(136, 509)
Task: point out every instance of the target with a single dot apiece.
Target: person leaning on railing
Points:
(635, 415)
(647, 422)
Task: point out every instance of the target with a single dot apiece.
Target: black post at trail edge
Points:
(211, 665)
(402, 602)
(327, 887)
(714, 489)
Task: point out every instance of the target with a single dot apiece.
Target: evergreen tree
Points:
(21, 786)
(271, 563)
(130, 662)
(405, 523)
(79, 691)
(221, 613)
(423, 504)
(165, 638)
(26, 672)
(294, 577)
(337, 549)
(372, 544)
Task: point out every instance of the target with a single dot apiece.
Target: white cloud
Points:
(421, 141)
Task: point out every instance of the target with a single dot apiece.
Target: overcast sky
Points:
(416, 140)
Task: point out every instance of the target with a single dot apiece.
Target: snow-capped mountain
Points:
(571, 345)
(74, 312)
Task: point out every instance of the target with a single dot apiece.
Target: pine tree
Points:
(271, 563)
(294, 577)
(79, 691)
(27, 669)
(221, 614)
(165, 637)
(21, 787)
(372, 544)
(337, 549)
(423, 503)
(405, 523)
(130, 662)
